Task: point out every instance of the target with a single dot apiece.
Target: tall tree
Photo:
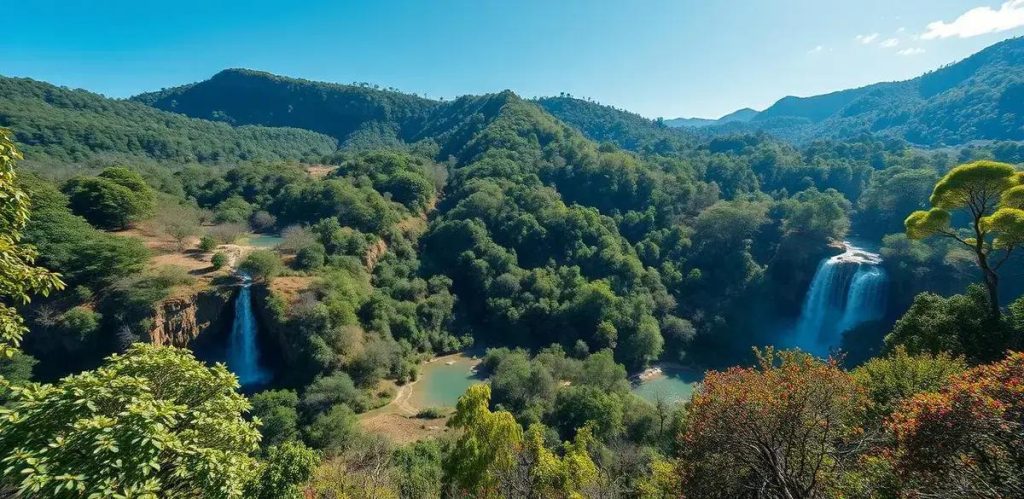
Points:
(19, 278)
(487, 447)
(991, 194)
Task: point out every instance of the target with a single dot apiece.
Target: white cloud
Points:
(817, 49)
(911, 51)
(866, 39)
(889, 43)
(979, 21)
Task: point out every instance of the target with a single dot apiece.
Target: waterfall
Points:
(847, 290)
(243, 356)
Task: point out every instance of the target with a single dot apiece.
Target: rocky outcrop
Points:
(180, 321)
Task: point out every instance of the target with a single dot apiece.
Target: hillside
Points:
(978, 98)
(741, 116)
(73, 125)
(608, 124)
(354, 115)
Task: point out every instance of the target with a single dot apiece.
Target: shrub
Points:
(431, 413)
(261, 265)
(219, 260)
(311, 257)
(207, 243)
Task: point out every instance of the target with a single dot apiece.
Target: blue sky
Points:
(657, 58)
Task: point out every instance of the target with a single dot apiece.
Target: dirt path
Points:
(397, 420)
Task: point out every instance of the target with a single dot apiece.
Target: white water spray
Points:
(847, 290)
(243, 357)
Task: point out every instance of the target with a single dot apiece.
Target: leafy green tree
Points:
(262, 265)
(332, 431)
(153, 421)
(991, 194)
(114, 199)
(234, 209)
(19, 278)
(311, 257)
(959, 325)
(486, 447)
(577, 406)
(899, 376)
(286, 468)
(276, 409)
(567, 475)
(419, 469)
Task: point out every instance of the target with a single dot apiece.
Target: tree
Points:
(890, 380)
(566, 476)
(19, 277)
(992, 196)
(276, 410)
(154, 421)
(781, 429)
(262, 265)
(218, 260)
(486, 447)
(114, 199)
(966, 440)
(287, 467)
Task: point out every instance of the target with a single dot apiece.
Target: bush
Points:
(261, 265)
(431, 413)
(262, 221)
(219, 260)
(207, 243)
(228, 233)
(311, 257)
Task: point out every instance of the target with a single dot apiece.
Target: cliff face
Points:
(180, 321)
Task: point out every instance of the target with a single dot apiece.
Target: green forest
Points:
(556, 254)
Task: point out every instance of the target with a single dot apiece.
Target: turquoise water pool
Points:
(441, 385)
(673, 386)
(268, 241)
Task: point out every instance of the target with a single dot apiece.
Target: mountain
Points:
(741, 115)
(978, 98)
(349, 113)
(74, 125)
(608, 124)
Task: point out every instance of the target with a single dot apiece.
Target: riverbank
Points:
(438, 379)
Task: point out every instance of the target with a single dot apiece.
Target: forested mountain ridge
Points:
(978, 98)
(74, 125)
(742, 115)
(348, 113)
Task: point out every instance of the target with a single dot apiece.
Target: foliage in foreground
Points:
(19, 278)
(153, 422)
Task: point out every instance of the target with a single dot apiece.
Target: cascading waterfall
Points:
(243, 356)
(847, 290)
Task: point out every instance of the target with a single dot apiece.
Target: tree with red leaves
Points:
(782, 429)
(967, 440)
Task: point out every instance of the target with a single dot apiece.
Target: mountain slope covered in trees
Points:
(75, 125)
(353, 114)
(978, 98)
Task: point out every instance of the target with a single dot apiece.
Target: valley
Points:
(263, 286)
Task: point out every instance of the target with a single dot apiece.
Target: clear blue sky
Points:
(657, 58)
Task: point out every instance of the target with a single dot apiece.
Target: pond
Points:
(440, 383)
(267, 241)
(672, 385)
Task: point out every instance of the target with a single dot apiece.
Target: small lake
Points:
(673, 385)
(267, 241)
(440, 384)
